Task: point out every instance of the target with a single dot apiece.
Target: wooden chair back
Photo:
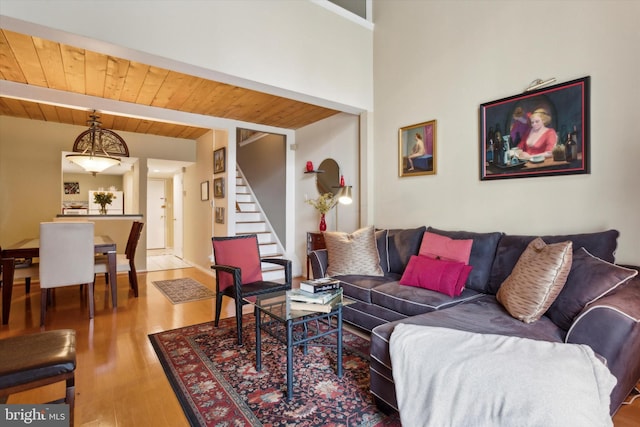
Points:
(132, 241)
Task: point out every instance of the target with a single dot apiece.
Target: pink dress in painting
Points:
(544, 144)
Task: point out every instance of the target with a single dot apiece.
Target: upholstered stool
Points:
(36, 360)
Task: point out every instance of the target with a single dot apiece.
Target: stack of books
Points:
(320, 285)
(323, 302)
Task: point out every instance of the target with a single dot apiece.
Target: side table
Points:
(315, 241)
(295, 328)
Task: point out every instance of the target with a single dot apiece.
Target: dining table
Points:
(30, 248)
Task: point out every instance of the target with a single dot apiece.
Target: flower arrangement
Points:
(103, 199)
(324, 203)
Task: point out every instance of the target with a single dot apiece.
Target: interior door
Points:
(156, 215)
(177, 214)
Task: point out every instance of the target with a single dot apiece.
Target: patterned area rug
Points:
(183, 290)
(217, 383)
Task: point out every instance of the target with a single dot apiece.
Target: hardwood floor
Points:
(160, 259)
(119, 380)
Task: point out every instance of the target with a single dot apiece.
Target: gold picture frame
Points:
(219, 215)
(417, 149)
(219, 160)
(218, 188)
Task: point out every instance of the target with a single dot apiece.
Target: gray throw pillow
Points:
(401, 245)
(483, 251)
(590, 278)
(382, 242)
(601, 244)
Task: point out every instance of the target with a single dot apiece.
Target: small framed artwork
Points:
(204, 190)
(543, 132)
(218, 188)
(417, 149)
(220, 215)
(71, 188)
(219, 160)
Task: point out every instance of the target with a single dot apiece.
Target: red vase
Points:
(323, 223)
(309, 167)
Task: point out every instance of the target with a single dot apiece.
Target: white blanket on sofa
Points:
(446, 377)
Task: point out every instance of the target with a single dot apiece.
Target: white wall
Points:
(198, 219)
(441, 59)
(275, 45)
(337, 138)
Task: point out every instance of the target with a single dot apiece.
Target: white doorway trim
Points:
(178, 215)
(156, 214)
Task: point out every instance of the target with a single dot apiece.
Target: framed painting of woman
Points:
(417, 149)
(542, 132)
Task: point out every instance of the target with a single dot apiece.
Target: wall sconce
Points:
(344, 192)
(344, 195)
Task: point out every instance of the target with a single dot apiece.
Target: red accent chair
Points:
(239, 273)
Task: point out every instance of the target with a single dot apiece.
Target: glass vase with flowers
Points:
(103, 199)
(323, 204)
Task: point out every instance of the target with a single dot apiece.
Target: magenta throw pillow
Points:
(443, 247)
(447, 277)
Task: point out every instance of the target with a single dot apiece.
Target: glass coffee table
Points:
(295, 328)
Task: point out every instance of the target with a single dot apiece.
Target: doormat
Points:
(217, 384)
(183, 290)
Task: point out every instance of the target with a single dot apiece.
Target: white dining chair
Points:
(66, 259)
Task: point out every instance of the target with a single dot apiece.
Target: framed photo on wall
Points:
(220, 215)
(204, 190)
(417, 149)
(542, 132)
(71, 188)
(218, 188)
(219, 160)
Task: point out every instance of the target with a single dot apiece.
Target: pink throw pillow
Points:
(447, 277)
(443, 247)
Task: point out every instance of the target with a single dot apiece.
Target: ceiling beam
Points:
(108, 106)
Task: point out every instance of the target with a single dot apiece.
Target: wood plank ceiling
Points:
(39, 62)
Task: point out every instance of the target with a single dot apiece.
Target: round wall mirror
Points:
(329, 181)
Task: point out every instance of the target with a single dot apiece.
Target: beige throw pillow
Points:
(354, 253)
(536, 279)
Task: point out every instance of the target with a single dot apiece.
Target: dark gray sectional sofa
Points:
(610, 325)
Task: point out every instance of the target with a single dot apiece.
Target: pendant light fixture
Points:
(95, 149)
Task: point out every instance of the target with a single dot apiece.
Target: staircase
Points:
(250, 219)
